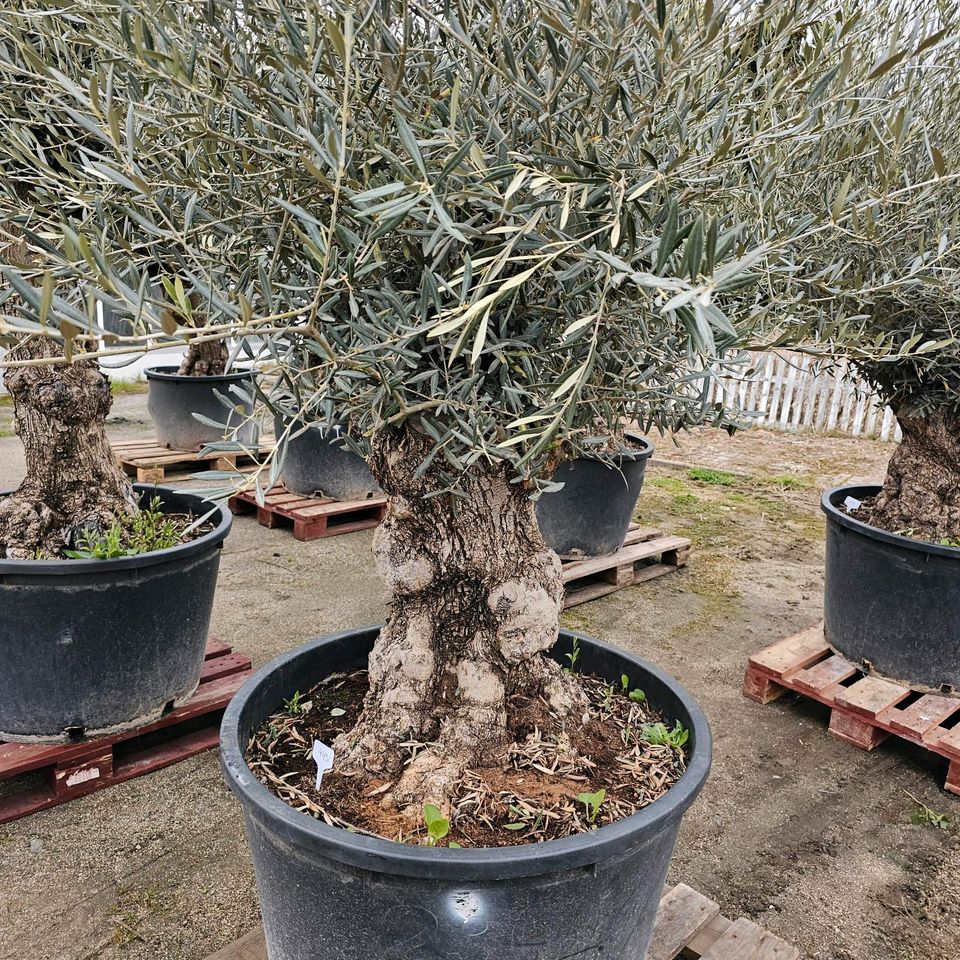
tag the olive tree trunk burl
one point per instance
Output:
(73, 481)
(921, 492)
(476, 602)
(206, 358)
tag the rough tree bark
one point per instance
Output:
(206, 359)
(921, 492)
(476, 600)
(73, 481)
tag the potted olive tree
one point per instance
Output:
(886, 290)
(106, 589)
(502, 233)
(893, 549)
(199, 401)
(50, 168)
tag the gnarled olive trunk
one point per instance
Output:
(921, 493)
(476, 601)
(73, 481)
(204, 359)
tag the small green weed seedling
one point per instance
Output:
(100, 546)
(524, 819)
(519, 823)
(294, 706)
(593, 802)
(636, 694)
(438, 826)
(573, 656)
(147, 532)
(151, 530)
(657, 733)
(925, 816)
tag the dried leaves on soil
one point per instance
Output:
(532, 795)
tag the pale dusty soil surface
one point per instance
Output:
(803, 833)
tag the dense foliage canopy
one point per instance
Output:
(517, 222)
(885, 285)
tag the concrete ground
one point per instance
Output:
(804, 834)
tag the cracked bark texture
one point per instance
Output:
(921, 492)
(476, 601)
(204, 359)
(73, 481)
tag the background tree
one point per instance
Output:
(885, 286)
(488, 233)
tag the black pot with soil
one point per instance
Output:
(316, 463)
(337, 895)
(173, 399)
(91, 647)
(891, 603)
(590, 515)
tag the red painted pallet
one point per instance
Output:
(688, 925)
(72, 770)
(645, 555)
(149, 462)
(865, 709)
(312, 517)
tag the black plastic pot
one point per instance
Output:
(891, 603)
(173, 400)
(590, 516)
(327, 894)
(316, 462)
(92, 647)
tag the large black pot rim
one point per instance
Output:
(645, 451)
(170, 373)
(501, 863)
(831, 503)
(55, 568)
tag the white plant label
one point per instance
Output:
(852, 503)
(323, 756)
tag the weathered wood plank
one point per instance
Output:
(792, 653)
(251, 947)
(741, 940)
(928, 712)
(823, 675)
(577, 569)
(682, 913)
(870, 696)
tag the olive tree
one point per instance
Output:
(487, 235)
(885, 286)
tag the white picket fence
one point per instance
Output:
(793, 391)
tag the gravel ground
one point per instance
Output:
(803, 833)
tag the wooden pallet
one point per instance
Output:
(688, 924)
(636, 561)
(312, 517)
(149, 462)
(865, 710)
(71, 770)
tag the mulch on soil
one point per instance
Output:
(532, 796)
